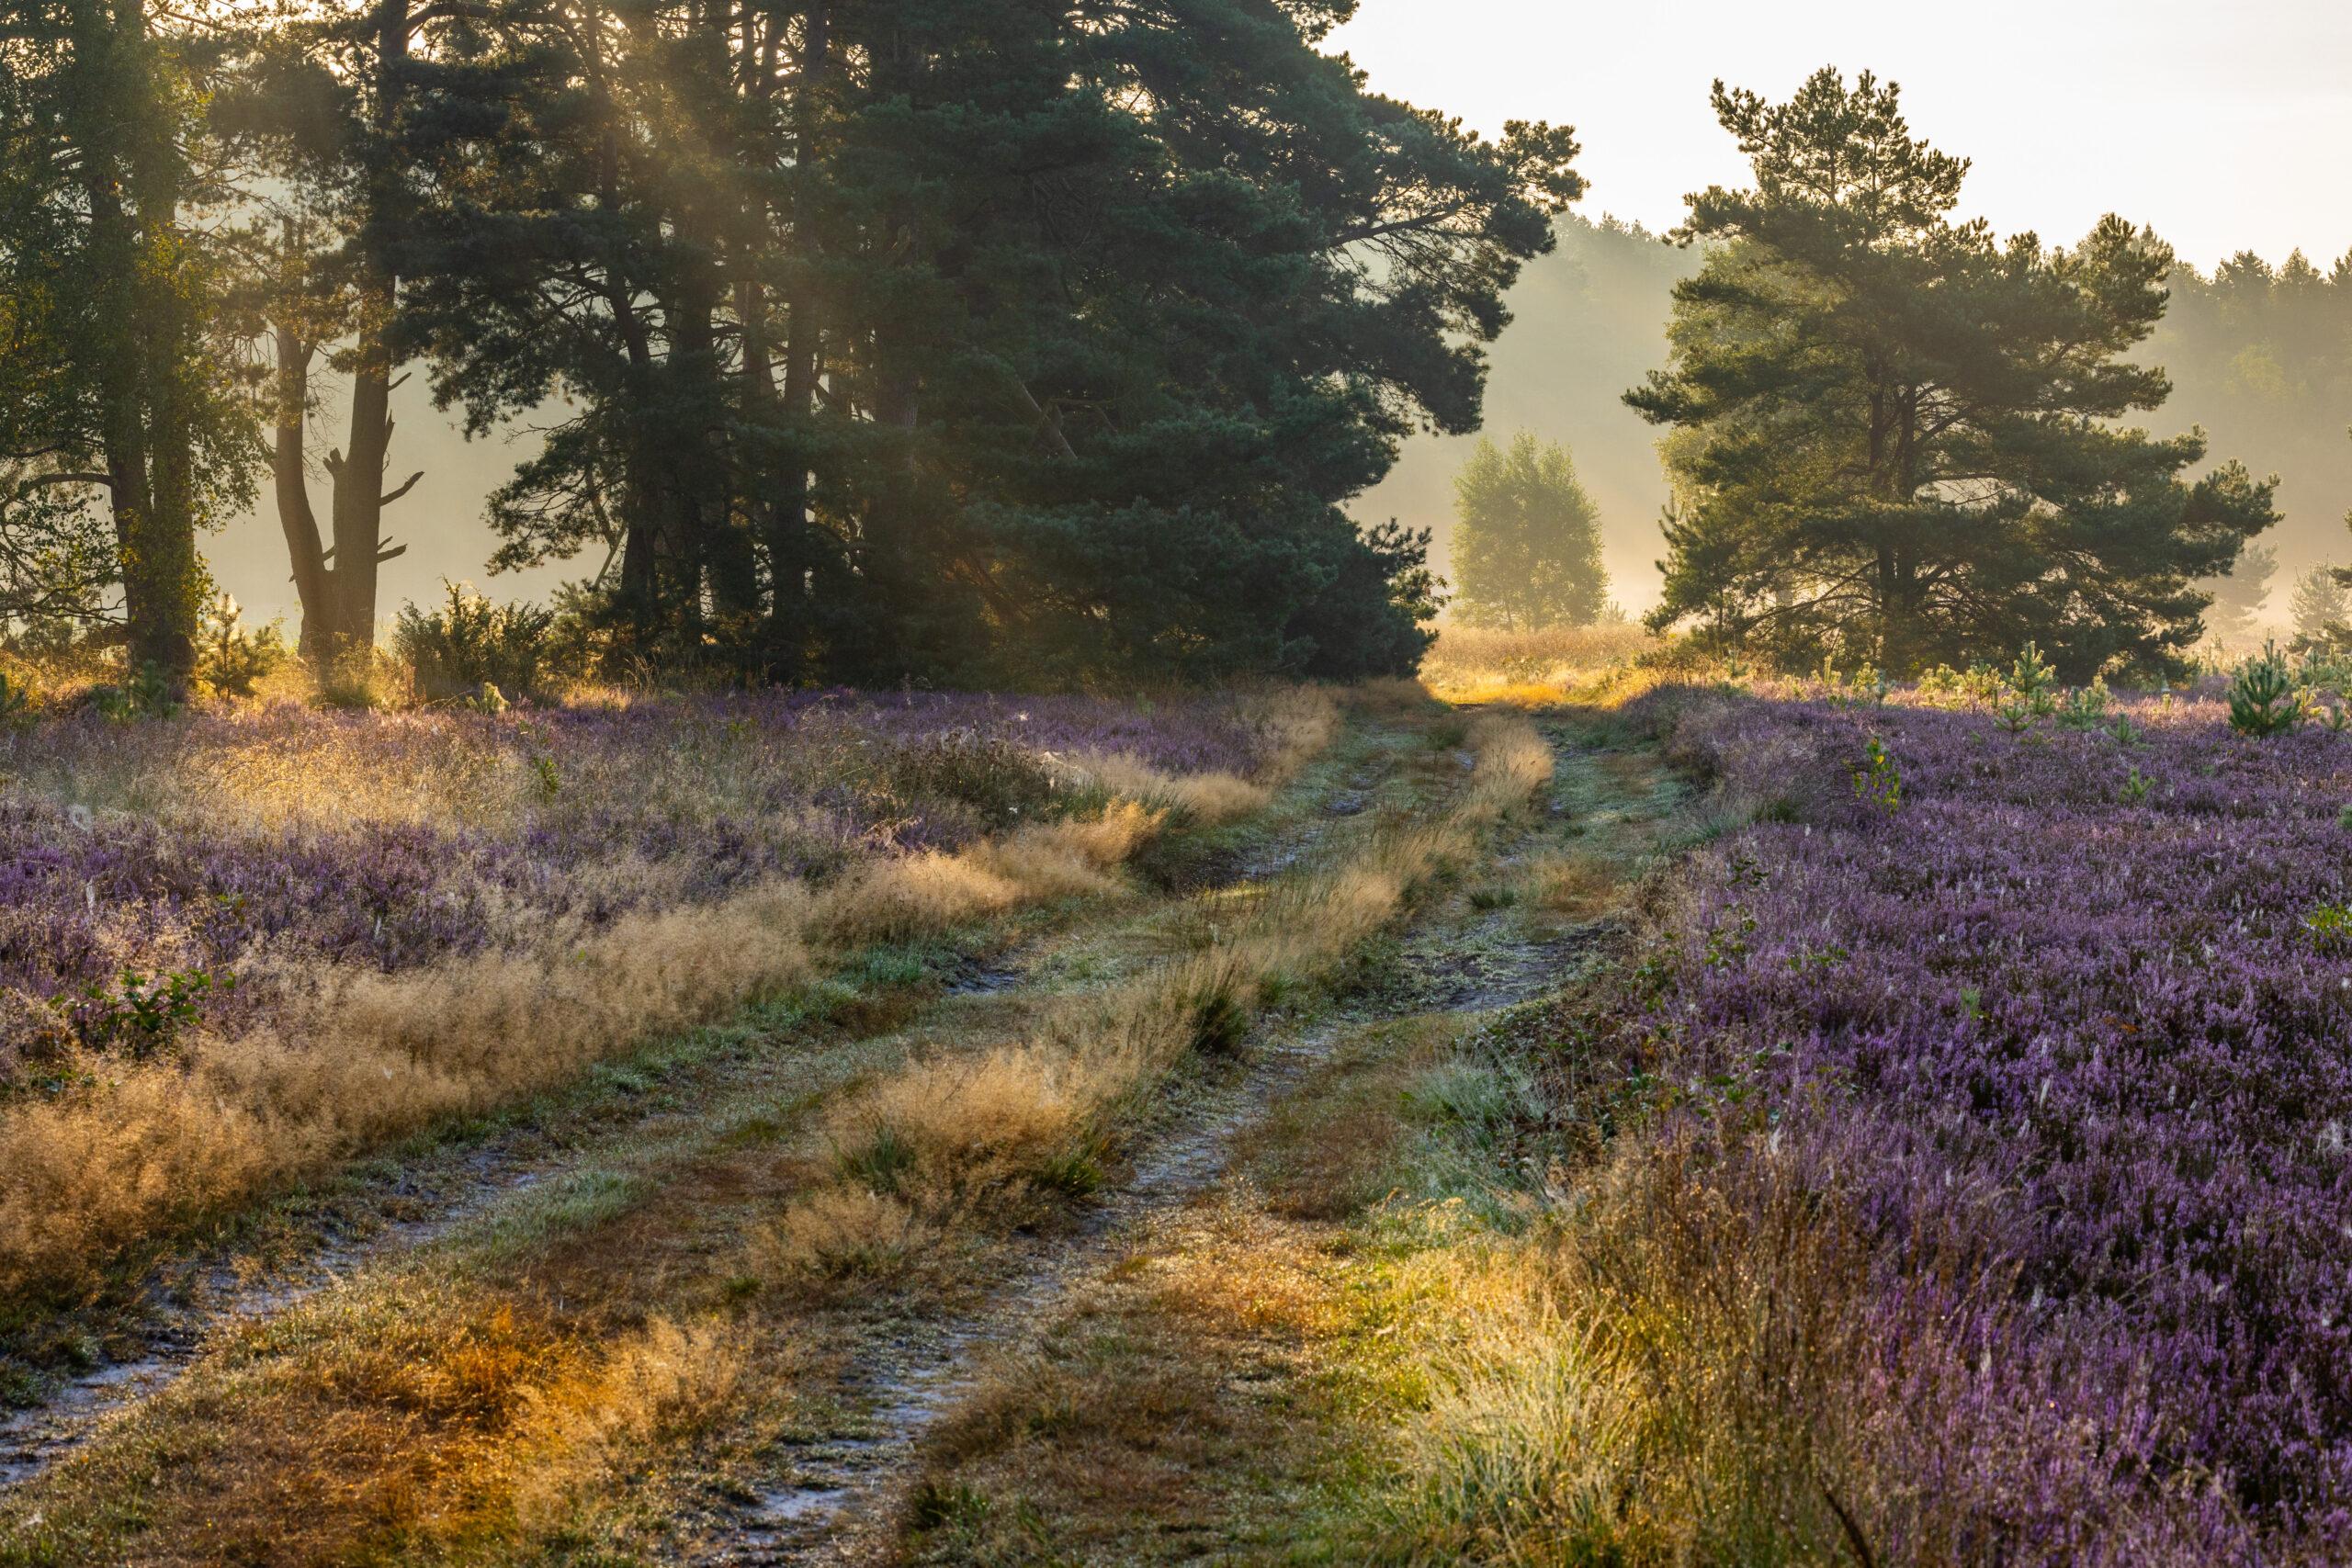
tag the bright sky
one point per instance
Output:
(2224, 123)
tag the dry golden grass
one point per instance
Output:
(890, 900)
(948, 1135)
(1299, 722)
(843, 1229)
(1692, 1367)
(1163, 1419)
(1477, 664)
(1578, 886)
(422, 1419)
(357, 1058)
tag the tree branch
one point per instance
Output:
(39, 480)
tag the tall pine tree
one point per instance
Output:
(119, 392)
(1896, 437)
(930, 339)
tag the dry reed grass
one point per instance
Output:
(358, 1058)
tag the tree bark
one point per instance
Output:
(130, 182)
(790, 560)
(304, 549)
(359, 497)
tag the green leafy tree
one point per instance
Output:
(1526, 540)
(1895, 437)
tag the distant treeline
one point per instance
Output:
(2261, 357)
(900, 340)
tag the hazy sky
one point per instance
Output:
(2225, 123)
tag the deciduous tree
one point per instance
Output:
(1526, 540)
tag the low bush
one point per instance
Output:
(470, 644)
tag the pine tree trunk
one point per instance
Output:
(299, 524)
(359, 478)
(790, 560)
(359, 485)
(130, 184)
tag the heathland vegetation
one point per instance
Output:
(1854, 1069)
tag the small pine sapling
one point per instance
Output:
(2263, 698)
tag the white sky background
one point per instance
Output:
(2226, 124)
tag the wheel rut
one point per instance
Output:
(840, 1502)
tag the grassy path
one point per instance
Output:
(1238, 1378)
(136, 1337)
(496, 1210)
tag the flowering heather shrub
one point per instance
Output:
(2059, 1058)
(219, 840)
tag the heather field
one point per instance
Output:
(1102, 885)
(246, 836)
(1727, 1122)
(2050, 1032)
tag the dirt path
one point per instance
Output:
(1228, 1384)
(225, 1297)
(843, 1500)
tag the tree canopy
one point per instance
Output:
(1526, 538)
(924, 339)
(1895, 436)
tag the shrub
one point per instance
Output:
(232, 659)
(144, 1018)
(2085, 709)
(1877, 780)
(2264, 700)
(1978, 686)
(1001, 780)
(470, 643)
(16, 702)
(2032, 692)
(145, 693)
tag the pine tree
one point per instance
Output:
(1526, 540)
(2238, 594)
(1088, 326)
(2321, 607)
(323, 109)
(1896, 437)
(113, 289)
